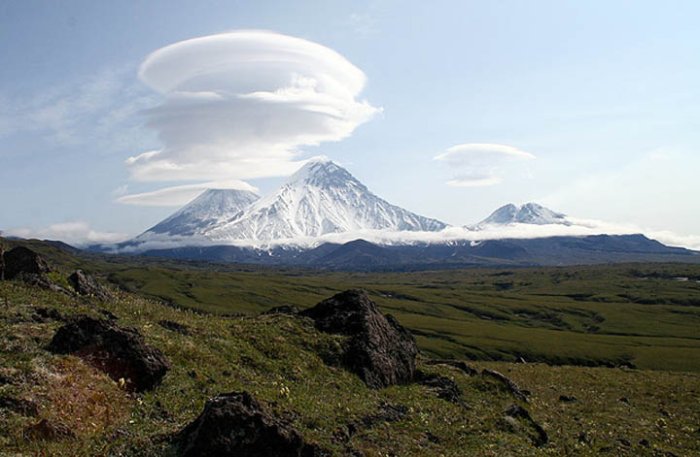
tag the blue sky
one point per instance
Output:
(602, 97)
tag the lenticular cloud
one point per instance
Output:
(241, 104)
(479, 164)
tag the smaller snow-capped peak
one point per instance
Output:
(529, 213)
(209, 208)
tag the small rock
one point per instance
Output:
(583, 438)
(284, 309)
(109, 315)
(460, 365)
(387, 413)
(19, 406)
(511, 386)
(509, 424)
(47, 314)
(121, 352)
(47, 431)
(237, 424)
(39, 280)
(380, 351)
(445, 388)
(342, 434)
(432, 438)
(176, 327)
(84, 284)
(539, 436)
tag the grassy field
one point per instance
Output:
(642, 315)
(646, 316)
(606, 410)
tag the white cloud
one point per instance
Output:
(99, 110)
(577, 228)
(76, 233)
(656, 190)
(476, 180)
(180, 195)
(480, 164)
(241, 105)
(673, 239)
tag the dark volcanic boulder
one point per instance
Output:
(119, 351)
(24, 260)
(236, 424)
(84, 284)
(379, 350)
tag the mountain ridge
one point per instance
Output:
(208, 208)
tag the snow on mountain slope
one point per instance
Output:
(529, 213)
(321, 198)
(210, 208)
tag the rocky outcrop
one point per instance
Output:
(458, 364)
(518, 415)
(173, 326)
(237, 424)
(443, 387)
(121, 352)
(507, 384)
(23, 260)
(84, 284)
(379, 350)
(44, 314)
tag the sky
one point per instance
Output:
(114, 113)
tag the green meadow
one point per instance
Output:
(646, 316)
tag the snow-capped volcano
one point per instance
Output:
(321, 198)
(529, 213)
(210, 208)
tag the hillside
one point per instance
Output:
(644, 314)
(282, 360)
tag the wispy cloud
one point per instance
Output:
(363, 24)
(100, 111)
(480, 164)
(655, 189)
(180, 195)
(75, 232)
(241, 105)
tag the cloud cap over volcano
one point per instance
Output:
(240, 105)
(480, 164)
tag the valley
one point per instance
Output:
(588, 359)
(637, 314)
